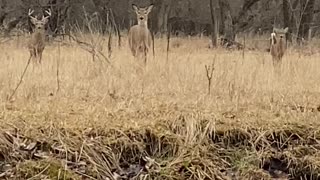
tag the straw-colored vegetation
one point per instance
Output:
(159, 122)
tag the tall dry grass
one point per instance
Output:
(246, 94)
(238, 81)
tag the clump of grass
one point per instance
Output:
(44, 169)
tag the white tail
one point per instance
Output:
(37, 41)
(278, 45)
(139, 36)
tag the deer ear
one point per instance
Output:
(286, 30)
(149, 9)
(135, 7)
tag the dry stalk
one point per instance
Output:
(209, 73)
(110, 44)
(58, 66)
(153, 51)
(168, 43)
(21, 78)
(244, 46)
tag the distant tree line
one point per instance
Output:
(179, 17)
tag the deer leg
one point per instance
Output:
(32, 58)
(36, 55)
(40, 58)
(277, 65)
(40, 50)
(145, 56)
(134, 52)
(275, 61)
(145, 51)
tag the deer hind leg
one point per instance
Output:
(133, 51)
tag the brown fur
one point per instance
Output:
(278, 45)
(139, 35)
(37, 42)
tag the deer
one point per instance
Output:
(139, 35)
(37, 42)
(278, 45)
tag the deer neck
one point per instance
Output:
(38, 35)
(282, 44)
(143, 24)
(39, 31)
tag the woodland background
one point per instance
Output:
(180, 17)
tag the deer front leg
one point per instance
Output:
(40, 58)
(145, 51)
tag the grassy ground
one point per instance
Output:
(105, 121)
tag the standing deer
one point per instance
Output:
(37, 42)
(278, 45)
(139, 36)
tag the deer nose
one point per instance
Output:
(141, 18)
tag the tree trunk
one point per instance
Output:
(222, 16)
(214, 25)
(287, 19)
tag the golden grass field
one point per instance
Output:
(255, 124)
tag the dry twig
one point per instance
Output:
(209, 73)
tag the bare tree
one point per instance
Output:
(287, 18)
(306, 19)
(187, 17)
(60, 14)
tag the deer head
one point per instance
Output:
(280, 32)
(142, 13)
(39, 24)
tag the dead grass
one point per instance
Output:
(105, 120)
